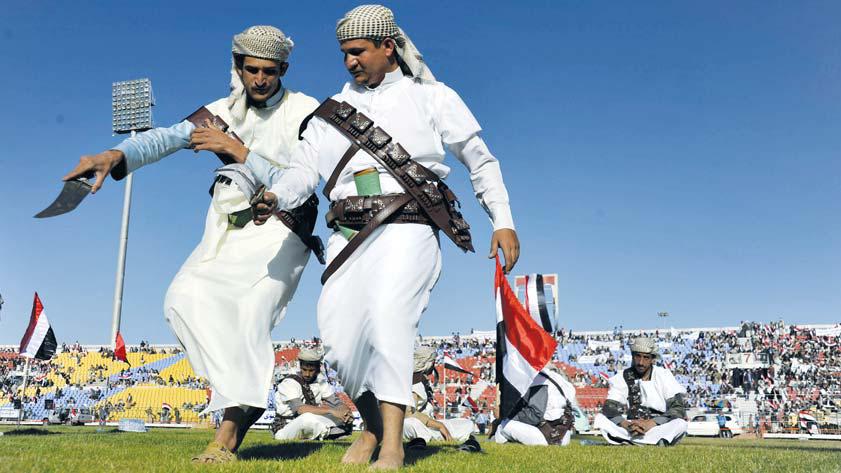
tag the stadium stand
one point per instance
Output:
(775, 377)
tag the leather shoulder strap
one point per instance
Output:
(418, 181)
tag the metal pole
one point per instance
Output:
(121, 260)
(446, 401)
(23, 392)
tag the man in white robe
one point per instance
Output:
(370, 307)
(420, 426)
(306, 406)
(645, 403)
(550, 400)
(235, 286)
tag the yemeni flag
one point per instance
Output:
(453, 365)
(523, 347)
(166, 406)
(39, 340)
(536, 301)
(120, 348)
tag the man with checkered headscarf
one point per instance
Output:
(645, 403)
(236, 284)
(374, 293)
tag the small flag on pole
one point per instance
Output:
(39, 340)
(523, 346)
(453, 365)
(120, 348)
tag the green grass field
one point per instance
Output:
(83, 449)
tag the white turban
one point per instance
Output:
(310, 355)
(646, 346)
(376, 22)
(263, 42)
(424, 359)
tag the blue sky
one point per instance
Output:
(660, 156)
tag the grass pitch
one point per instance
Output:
(84, 449)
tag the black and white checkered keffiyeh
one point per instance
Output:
(261, 41)
(377, 22)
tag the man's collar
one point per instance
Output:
(273, 100)
(390, 78)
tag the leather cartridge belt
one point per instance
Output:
(357, 211)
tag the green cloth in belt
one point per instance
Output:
(240, 218)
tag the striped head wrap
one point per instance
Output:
(377, 23)
(263, 42)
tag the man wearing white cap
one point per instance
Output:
(545, 416)
(307, 407)
(379, 144)
(234, 287)
(420, 426)
(645, 403)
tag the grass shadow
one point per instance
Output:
(30, 431)
(281, 451)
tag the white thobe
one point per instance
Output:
(654, 392)
(511, 430)
(460, 429)
(307, 426)
(234, 287)
(369, 309)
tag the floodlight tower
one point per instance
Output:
(131, 106)
(663, 315)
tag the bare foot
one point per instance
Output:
(360, 451)
(389, 460)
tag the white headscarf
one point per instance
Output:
(424, 359)
(376, 22)
(264, 42)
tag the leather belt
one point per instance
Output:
(377, 219)
(357, 211)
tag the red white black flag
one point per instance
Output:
(39, 340)
(453, 365)
(523, 347)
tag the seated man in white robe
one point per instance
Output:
(419, 426)
(544, 415)
(307, 407)
(645, 402)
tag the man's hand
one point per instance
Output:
(644, 425)
(343, 413)
(265, 208)
(97, 164)
(211, 138)
(507, 240)
(442, 429)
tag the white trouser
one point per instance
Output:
(516, 431)
(460, 429)
(671, 432)
(307, 426)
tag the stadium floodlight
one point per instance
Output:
(131, 106)
(131, 111)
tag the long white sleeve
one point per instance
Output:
(293, 185)
(486, 177)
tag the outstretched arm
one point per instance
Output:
(291, 186)
(145, 148)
